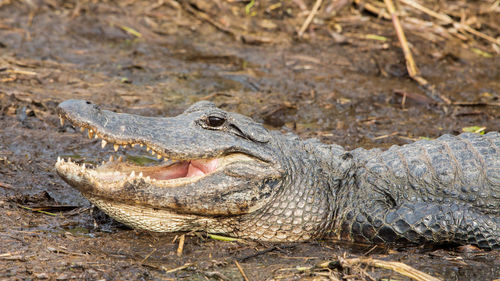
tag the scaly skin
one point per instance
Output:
(276, 187)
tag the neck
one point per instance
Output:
(304, 205)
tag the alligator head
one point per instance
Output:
(226, 174)
(220, 166)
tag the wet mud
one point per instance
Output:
(155, 58)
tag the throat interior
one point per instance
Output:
(184, 169)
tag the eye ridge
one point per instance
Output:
(215, 121)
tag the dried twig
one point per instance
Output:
(372, 9)
(241, 270)
(177, 268)
(386, 136)
(148, 255)
(6, 185)
(274, 248)
(309, 18)
(181, 245)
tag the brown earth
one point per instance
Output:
(343, 81)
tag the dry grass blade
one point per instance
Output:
(398, 267)
(237, 34)
(38, 211)
(447, 20)
(410, 63)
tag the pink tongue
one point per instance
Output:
(174, 172)
(194, 171)
(201, 167)
(186, 169)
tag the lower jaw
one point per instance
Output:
(155, 220)
(162, 220)
(159, 220)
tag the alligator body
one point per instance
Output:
(228, 174)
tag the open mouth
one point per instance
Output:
(170, 172)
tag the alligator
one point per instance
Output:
(224, 173)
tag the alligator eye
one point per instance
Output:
(215, 121)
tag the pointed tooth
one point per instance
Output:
(61, 120)
(103, 143)
(120, 158)
(91, 133)
(152, 152)
(96, 136)
(58, 159)
(103, 163)
(111, 158)
(148, 178)
(83, 166)
(147, 148)
(141, 145)
(115, 146)
(158, 156)
(124, 146)
(132, 145)
(132, 175)
(69, 160)
(140, 174)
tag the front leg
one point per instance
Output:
(422, 222)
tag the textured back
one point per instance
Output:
(449, 169)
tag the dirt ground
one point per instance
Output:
(343, 80)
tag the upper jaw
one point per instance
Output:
(177, 138)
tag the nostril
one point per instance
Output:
(88, 102)
(347, 156)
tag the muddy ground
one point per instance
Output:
(156, 58)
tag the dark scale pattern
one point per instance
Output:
(426, 222)
(442, 191)
(302, 207)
